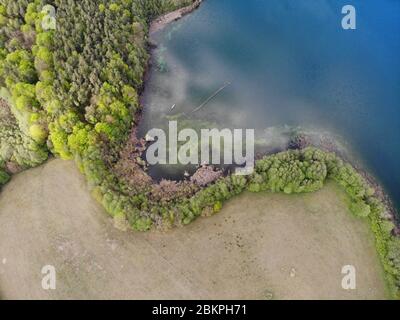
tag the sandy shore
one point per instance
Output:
(260, 246)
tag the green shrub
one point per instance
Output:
(4, 177)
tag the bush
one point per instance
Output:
(4, 177)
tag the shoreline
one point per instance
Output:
(332, 144)
(381, 193)
(165, 19)
(157, 25)
(116, 175)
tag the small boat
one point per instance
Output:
(173, 106)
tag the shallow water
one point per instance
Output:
(289, 63)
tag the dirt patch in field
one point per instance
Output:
(261, 246)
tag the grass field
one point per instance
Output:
(260, 246)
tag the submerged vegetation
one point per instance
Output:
(73, 92)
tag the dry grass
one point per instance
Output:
(259, 246)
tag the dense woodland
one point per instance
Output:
(72, 91)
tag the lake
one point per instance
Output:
(289, 64)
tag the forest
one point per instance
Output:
(72, 90)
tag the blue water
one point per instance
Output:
(290, 63)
